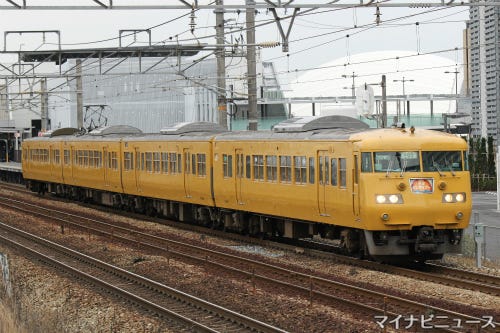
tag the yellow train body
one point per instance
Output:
(382, 192)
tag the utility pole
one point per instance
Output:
(44, 105)
(384, 102)
(404, 94)
(221, 65)
(456, 87)
(79, 95)
(251, 66)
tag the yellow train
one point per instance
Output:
(391, 194)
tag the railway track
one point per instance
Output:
(430, 272)
(317, 289)
(189, 312)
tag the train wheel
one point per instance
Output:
(350, 241)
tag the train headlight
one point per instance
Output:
(459, 215)
(389, 198)
(385, 217)
(393, 199)
(453, 197)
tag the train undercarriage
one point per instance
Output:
(400, 246)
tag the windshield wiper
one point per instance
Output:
(403, 169)
(389, 167)
(449, 165)
(437, 168)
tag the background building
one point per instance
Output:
(484, 30)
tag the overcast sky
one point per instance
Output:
(316, 38)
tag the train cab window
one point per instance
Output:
(258, 167)
(311, 170)
(248, 162)
(285, 169)
(400, 161)
(202, 164)
(442, 161)
(164, 162)
(300, 169)
(334, 172)
(128, 159)
(227, 165)
(366, 162)
(271, 168)
(343, 172)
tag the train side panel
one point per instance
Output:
(286, 179)
(173, 170)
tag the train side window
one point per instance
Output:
(149, 162)
(99, 159)
(300, 167)
(311, 170)
(258, 167)
(248, 166)
(356, 169)
(127, 161)
(202, 165)
(366, 162)
(173, 163)
(334, 171)
(227, 165)
(86, 158)
(156, 162)
(57, 156)
(239, 165)
(66, 158)
(343, 172)
(320, 169)
(114, 160)
(187, 160)
(285, 169)
(179, 163)
(271, 168)
(193, 164)
(164, 162)
(91, 159)
(143, 165)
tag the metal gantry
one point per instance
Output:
(235, 4)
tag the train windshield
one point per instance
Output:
(404, 161)
(441, 161)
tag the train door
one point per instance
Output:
(187, 172)
(137, 169)
(355, 185)
(106, 165)
(73, 161)
(52, 161)
(239, 175)
(323, 162)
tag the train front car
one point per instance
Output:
(415, 193)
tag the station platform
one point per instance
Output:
(11, 171)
